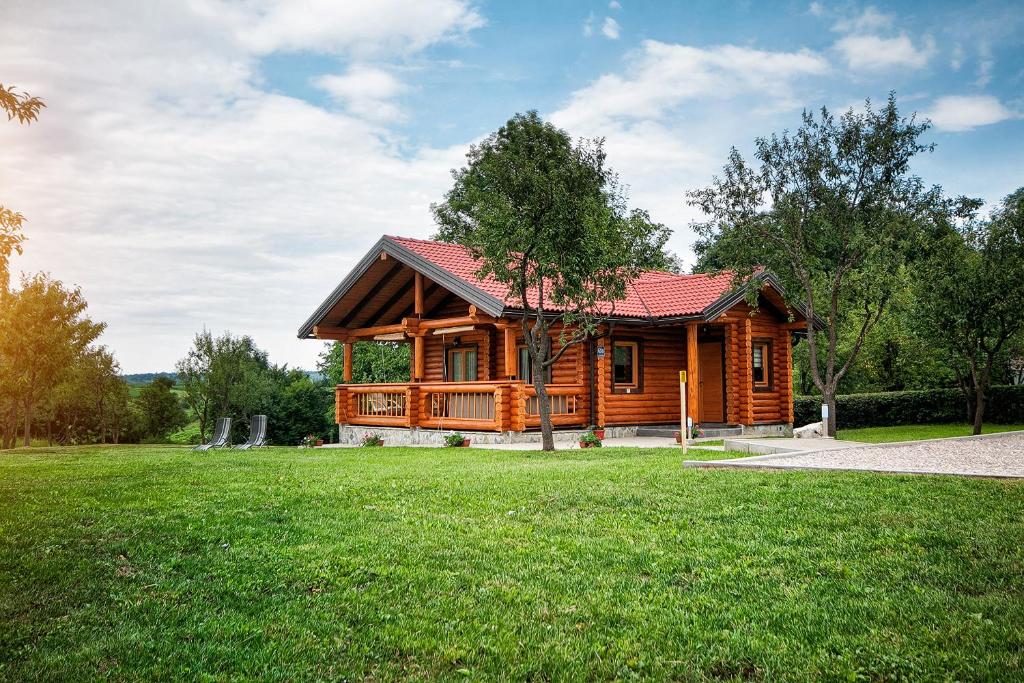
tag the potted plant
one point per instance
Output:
(590, 440)
(598, 431)
(456, 440)
(373, 439)
(308, 441)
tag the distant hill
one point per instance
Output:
(147, 377)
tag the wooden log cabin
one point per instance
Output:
(470, 371)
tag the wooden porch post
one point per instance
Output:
(418, 363)
(417, 308)
(746, 376)
(511, 355)
(347, 360)
(692, 373)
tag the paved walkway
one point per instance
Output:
(990, 455)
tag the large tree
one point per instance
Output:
(548, 219)
(972, 302)
(835, 213)
(25, 108)
(45, 332)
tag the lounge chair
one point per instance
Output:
(257, 433)
(221, 432)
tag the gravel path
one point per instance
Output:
(987, 456)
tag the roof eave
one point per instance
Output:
(482, 300)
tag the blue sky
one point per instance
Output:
(223, 164)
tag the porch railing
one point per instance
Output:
(477, 406)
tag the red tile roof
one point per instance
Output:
(653, 294)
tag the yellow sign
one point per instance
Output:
(682, 376)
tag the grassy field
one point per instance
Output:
(918, 432)
(354, 564)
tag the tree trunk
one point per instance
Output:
(980, 392)
(829, 398)
(547, 436)
(28, 425)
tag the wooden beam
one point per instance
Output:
(347, 361)
(800, 326)
(417, 301)
(329, 333)
(385, 280)
(692, 373)
(376, 317)
(455, 322)
(374, 331)
(427, 293)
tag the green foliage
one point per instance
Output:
(372, 439)
(547, 218)
(142, 563)
(25, 108)
(300, 411)
(159, 408)
(591, 439)
(972, 303)
(454, 440)
(911, 407)
(372, 362)
(833, 211)
(45, 332)
(187, 435)
(230, 376)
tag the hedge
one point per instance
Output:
(1005, 406)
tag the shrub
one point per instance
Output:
(373, 439)
(454, 440)
(590, 438)
(1005, 405)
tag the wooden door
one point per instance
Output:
(712, 382)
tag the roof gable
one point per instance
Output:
(650, 297)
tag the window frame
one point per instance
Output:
(768, 358)
(461, 349)
(637, 386)
(527, 377)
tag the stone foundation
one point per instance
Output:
(781, 429)
(415, 436)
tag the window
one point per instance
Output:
(525, 369)
(462, 364)
(625, 365)
(761, 364)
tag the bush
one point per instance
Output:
(188, 435)
(1005, 406)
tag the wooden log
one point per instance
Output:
(347, 361)
(417, 306)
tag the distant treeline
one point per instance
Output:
(147, 377)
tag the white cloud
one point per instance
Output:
(661, 76)
(610, 28)
(670, 115)
(964, 112)
(614, 4)
(365, 90)
(179, 192)
(873, 53)
(816, 9)
(353, 27)
(868, 20)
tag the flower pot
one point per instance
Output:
(679, 438)
(585, 444)
(465, 443)
(319, 442)
(599, 433)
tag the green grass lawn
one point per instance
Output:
(382, 564)
(917, 432)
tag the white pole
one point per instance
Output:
(683, 431)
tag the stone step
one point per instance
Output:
(668, 431)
